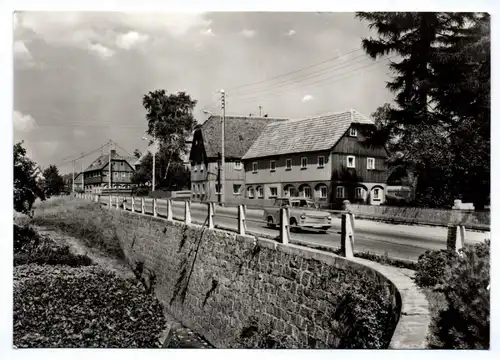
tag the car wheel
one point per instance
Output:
(293, 224)
(270, 222)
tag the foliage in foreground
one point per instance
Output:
(31, 248)
(85, 307)
(26, 186)
(462, 283)
(87, 221)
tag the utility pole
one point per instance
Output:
(73, 182)
(83, 176)
(154, 157)
(260, 111)
(222, 162)
(109, 165)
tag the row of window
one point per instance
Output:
(351, 163)
(321, 191)
(200, 166)
(122, 175)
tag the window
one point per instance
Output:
(288, 164)
(359, 193)
(203, 188)
(218, 188)
(273, 192)
(254, 167)
(272, 165)
(201, 167)
(340, 192)
(250, 193)
(260, 192)
(307, 192)
(237, 165)
(376, 194)
(303, 163)
(323, 192)
(236, 189)
(193, 188)
(195, 167)
(321, 161)
(351, 161)
(353, 132)
(370, 163)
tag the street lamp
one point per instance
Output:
(154, 160)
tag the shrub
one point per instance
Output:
(31, 248)
(85, 307)
(465, 323)
(87, 221)
(431, 267)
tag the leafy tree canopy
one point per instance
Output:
(26, 186)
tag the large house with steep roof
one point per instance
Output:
(205, 156)
(96, 176)
(323, 158)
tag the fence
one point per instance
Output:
(164, 208)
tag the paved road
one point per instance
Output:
(399, 241)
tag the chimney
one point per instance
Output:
(113, 152)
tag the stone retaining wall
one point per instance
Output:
(215, 282)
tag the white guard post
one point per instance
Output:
(170, 215)
(241, 220)
(155, 210)
(187, 212)
(347, 236)
(211, 214)
(133, 204)
(143, 210)
(284, 226)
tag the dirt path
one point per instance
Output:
(182, 336)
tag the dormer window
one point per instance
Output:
(353, 132)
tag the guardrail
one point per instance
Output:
(164, 208)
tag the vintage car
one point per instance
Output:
(303, 214)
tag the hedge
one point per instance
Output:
(85, 307)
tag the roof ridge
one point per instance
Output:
(320, 115)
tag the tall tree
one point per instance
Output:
(53, 183)
(170, 120)
(432, 96)
(26, 186)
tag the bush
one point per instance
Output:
(87, 221)
(431, 267)
(31, 248)
(465, 324)
(85, 307)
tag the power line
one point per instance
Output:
(83, 155)
(299, 87)
(307, 76)
(295, 71)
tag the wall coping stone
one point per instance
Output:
(414, 319)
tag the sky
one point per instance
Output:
(79, 77)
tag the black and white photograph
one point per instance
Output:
(251, 180)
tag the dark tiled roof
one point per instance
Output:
(304, 135)
(103, 160)
(240, 133)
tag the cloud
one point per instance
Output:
(79, 132)
(291, 32)
(22, 55)
(22, 122)
(248, 33)
(130, 39)
(101, 50)
(207, 32)
(48, 147)
(307, 98)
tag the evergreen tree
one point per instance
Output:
(53, 183)
(441, 88)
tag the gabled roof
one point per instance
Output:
(240, 133)
(102, 161)
(304, 135)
